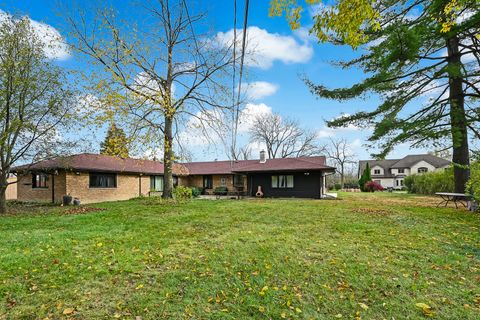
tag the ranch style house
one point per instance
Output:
(97, 178)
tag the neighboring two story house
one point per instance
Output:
(390, 173)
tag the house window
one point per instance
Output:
(39, 181)
(238, 180)
(401, 170)
(399, 183)
(376, 171)
(208, 182)
(282, 181)
(175, 181)
(422, 170)
(156, 183)
(103, 180)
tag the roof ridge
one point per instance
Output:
(111, 156)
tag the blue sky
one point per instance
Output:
(280, 70)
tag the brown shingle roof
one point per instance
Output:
(215, 167)
(286, 164)
(97, 162)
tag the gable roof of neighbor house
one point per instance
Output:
(104, 163)
(413, 159)
(405, 162)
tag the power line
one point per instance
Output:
(234, 84)
(242, 59)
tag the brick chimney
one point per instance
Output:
(263, 156)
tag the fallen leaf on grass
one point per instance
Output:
(363, 306)
(426, 309)
(82, 210)
(372, 211)
(68, 311)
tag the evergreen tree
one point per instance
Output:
(115, 143)
(422, 49)
(365, 177)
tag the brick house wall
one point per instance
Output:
(25, 192)
(11, 193)
(128, 186)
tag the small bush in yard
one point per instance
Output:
(431, 182)
(338, 186)
(221, 191)
(196, 191)
(182, 193)
(372, 186)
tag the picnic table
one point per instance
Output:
(453, 197)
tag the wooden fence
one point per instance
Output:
(12, 190)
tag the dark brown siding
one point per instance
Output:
(305, 186)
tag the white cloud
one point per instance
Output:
(304, 34)
(149, 86)
(88, 104)
(259, 89)
(55, 45)
(202, 129)
(250, 113)
(264, 48)
(327, 132)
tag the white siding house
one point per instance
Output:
(390, 173)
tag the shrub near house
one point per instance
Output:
(431, 182)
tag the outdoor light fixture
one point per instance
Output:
(307, 173)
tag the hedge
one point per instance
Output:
(431, 182)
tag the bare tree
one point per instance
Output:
(340, 154)
(33, 99)
(283, 138)
(154, 73)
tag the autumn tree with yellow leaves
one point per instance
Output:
(153, 74)
(115, 143)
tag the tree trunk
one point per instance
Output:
(342, 177)
(168, 159)
(461, 157)
(3, 198)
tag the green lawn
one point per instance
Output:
(368, 256)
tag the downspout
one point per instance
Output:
(140, 185)
(53, 187)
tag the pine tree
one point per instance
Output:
(115, 143)
(423, 61)
(365, 177)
